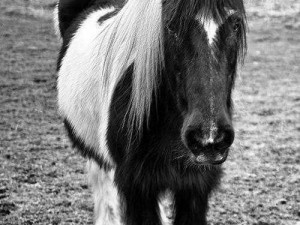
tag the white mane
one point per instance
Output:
(135, 36)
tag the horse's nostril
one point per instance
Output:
(194, 141)
(224, 138)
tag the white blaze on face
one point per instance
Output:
(210, 27)
(212, 132)
(213, 127)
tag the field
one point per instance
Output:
(42, 179)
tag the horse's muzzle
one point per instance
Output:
(211, 158)
(208, 148)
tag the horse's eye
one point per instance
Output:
(236, 26)
(237, 23)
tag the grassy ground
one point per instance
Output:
(42, 179)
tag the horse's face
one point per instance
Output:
(206, 59)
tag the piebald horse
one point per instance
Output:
(144, 87)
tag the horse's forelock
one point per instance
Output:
(181, 12)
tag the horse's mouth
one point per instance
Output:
(211, 158)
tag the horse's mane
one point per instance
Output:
(136, 37)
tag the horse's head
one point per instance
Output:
(196, 46)
(202, 51)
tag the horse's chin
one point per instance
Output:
(210, 158)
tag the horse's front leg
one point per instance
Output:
(139, 199)
(141, 211)
(191, 208)
(106, 197)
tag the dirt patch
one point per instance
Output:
(42, 180)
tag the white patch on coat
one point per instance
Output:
(81, 98)
(210, 27)
(106, 197)
(96, 60)
(167, 209)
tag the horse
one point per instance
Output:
(144, 90)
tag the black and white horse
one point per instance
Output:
(144, 87)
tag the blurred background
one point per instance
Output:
(42, 179)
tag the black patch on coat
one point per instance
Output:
(153, 164)
(85, 150)
(69, 10)
(117, 136)
(108, 16)
(151, 169)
